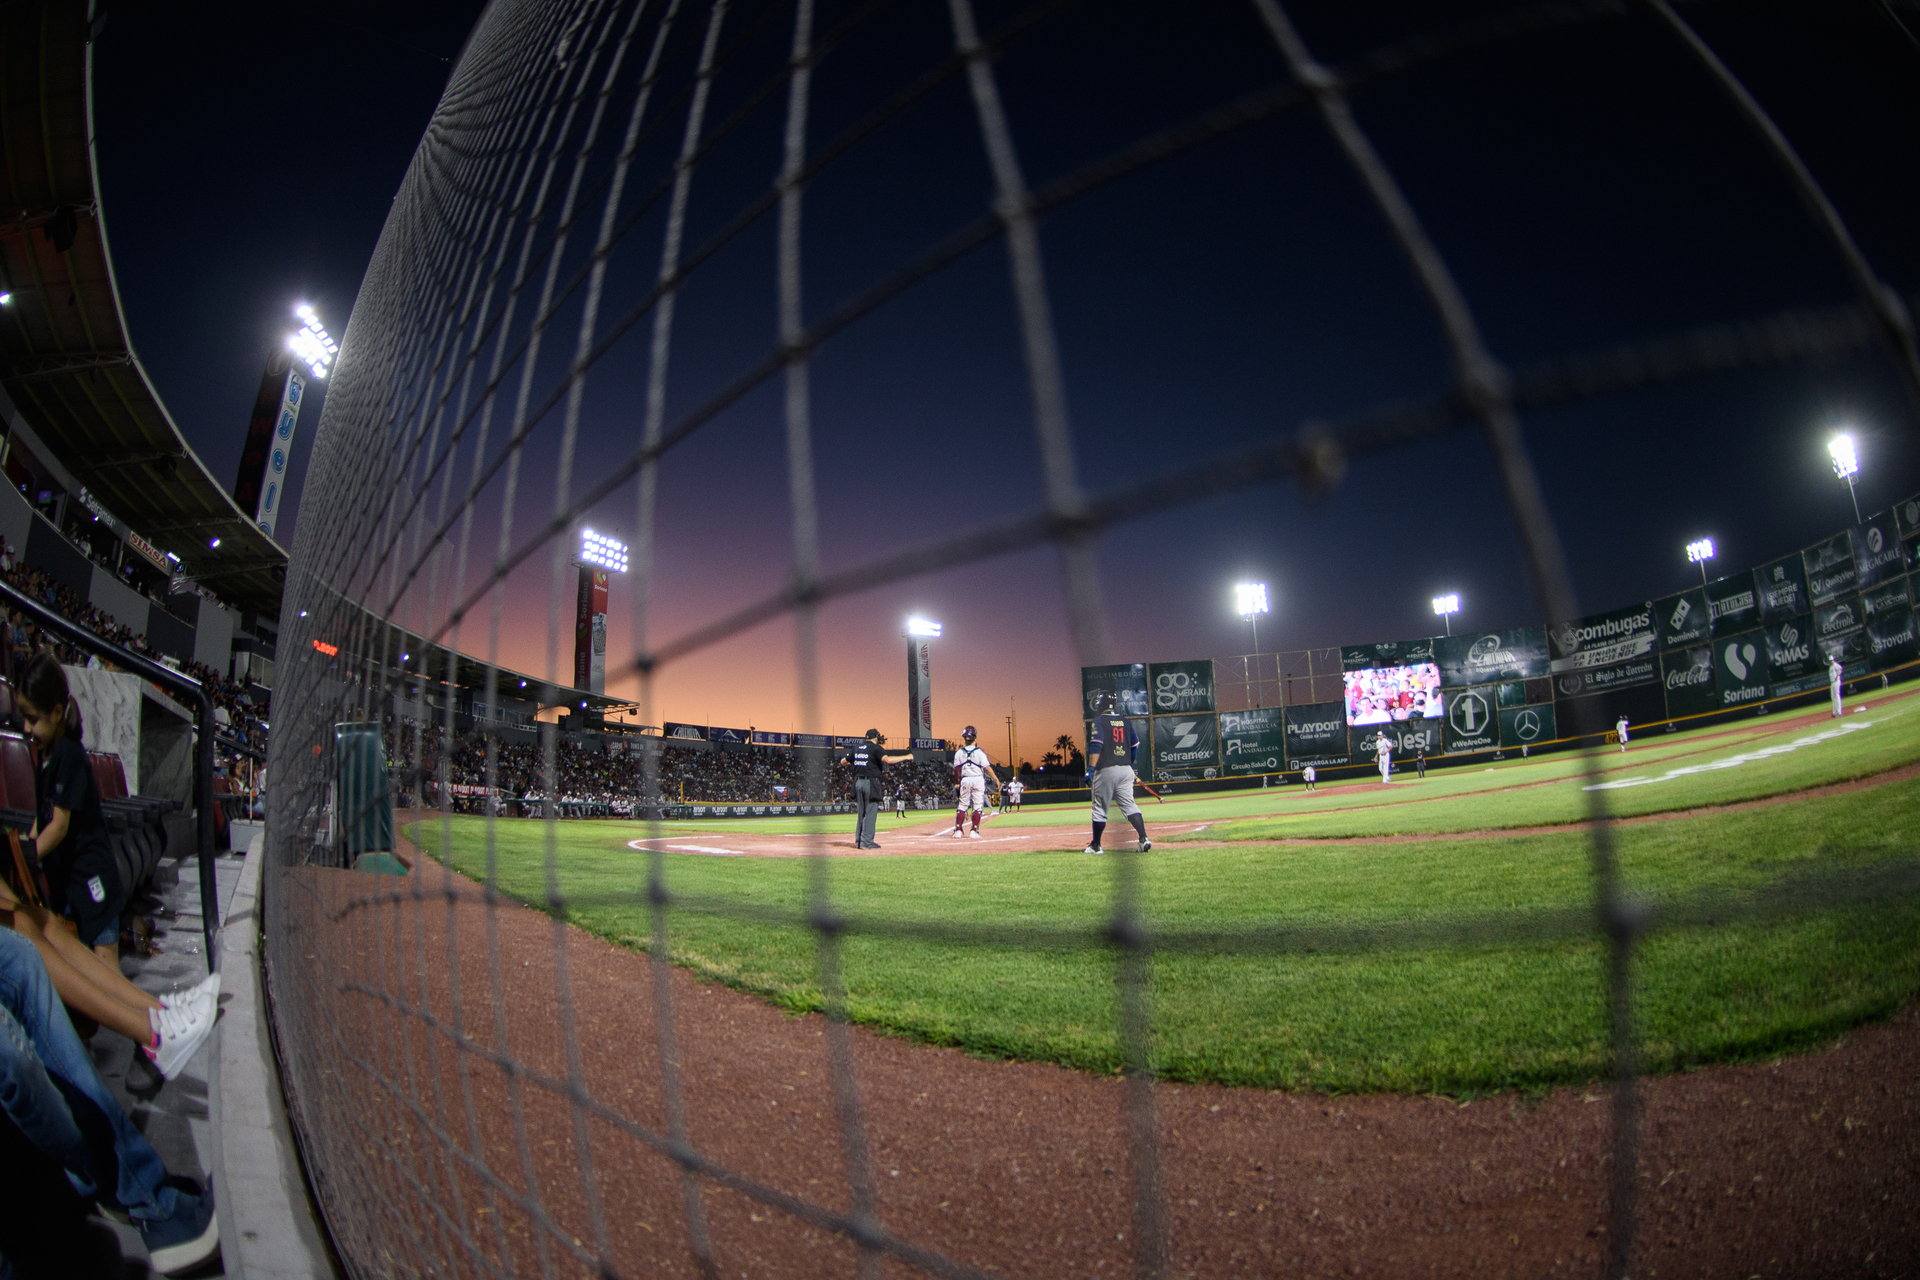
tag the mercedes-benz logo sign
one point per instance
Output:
(1526, 725)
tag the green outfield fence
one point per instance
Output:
(600, 181)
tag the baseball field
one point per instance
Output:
(1433, 935)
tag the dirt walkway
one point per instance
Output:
(1808, 1166)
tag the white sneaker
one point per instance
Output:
(973, 835)
(1093, 848)
(206, 991)
(181, 1033)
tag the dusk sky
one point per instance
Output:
(1589, 186)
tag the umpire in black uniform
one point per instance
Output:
(869, 763)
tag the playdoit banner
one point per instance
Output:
(1316, 734)
(1185, 747)
(1181, 688)
(1489, 656)
(1253, 742)
(1126, 681)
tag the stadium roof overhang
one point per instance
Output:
(65, 357)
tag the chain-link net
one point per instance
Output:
(545, 284)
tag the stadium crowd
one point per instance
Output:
(590, 774)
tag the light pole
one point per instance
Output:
(1251, 598)
(1846, 465)
(597, 557)
(1446, 606)
(921, 633)
(1700, 552)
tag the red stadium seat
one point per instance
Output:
(16, 771)
(111, 775)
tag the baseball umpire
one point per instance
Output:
(868, 763)
(1111, 748)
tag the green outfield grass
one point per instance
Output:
(1456, 1019)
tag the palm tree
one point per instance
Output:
(1065, 743)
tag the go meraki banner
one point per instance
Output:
(1877, 553)
(1603, 639)
(1782, 586)
(1830, 569)
(1315, 734)
(1683, 619)
(1181, 688)
(1488, 656)
(1740, 668)
(1688, 676)
(1735, 603)
(1388, 653)
(1794, 661)
(1255, 741)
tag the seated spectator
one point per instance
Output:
(51, 1091)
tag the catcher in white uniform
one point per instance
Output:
(971, 770)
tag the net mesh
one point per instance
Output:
(553, 235)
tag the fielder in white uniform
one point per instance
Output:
(1621, 729)
(971, 770)
(1306, 776)
(1834, 672)
(1015, 790)
(1385, 751)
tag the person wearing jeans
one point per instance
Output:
(51, 1091)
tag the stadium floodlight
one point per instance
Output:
(1700, 552)
(5, 298)
(1250, 598)
(602, 552)
(312, 343)
(1446, 606)
(1846, 465)
(924, 627)
(214, 545)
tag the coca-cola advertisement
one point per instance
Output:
(1688, 676)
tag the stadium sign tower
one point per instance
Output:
(262, 482)
(599, 557)
(921, 633)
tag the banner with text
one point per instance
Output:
(1684, 618)
(1795, 666)
(1387, 653)
(1472, 721)
(1885, 599)
(1181, 688)
(1740, 668)
(1185, 747)
(1830, 571)
(1734, 603)
(1253, 741)
(1489, 656)
(1127, 681)
(1526, 726)
(1877, 554)
(1688, 675)
(1604, 639)
(1890, 640)
(1783, 588)
(1316, 734)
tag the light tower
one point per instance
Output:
(1446, 606)
(1700, 552)
(598, 557)
(1250, 598)
(1846, 465)
(262, 483)
(921, 633)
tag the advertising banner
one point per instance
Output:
(1890, 640)
(1603, 639)
(1316, 734)
(919, 687)
(1783, 588)
(843, 742)
(1388, 653)
(1688, 675)
(1624, 675)
(1830, 571)
(1740, 668)
(1877, 553)
(1514, 694)
(1907, 516)
(811, 740)
(1526, 726)
(1376, 695)
(1181, 688)
(1840, 618)
(1913, 554)
(1490, 656)
(1472, 723)
(762, 738)
(1407, 740)
(1850, 648)
(1185, 747)
(1795, 664)
(1126, 681)
(1734, 603)
(742, 736)
(684, 732)
(927, 744)
(1253, 742)
(1683, 619)
(1884, 599)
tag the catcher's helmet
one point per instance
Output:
(968, 734)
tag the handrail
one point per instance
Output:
(174, 682)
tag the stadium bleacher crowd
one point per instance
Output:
(589, 774)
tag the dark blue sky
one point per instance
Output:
(1589, 186)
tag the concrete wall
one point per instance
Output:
(167, 634)
(50, 552)
(16, 516)
(118, 601)
(213, 636)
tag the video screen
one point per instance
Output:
(1378, 695)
